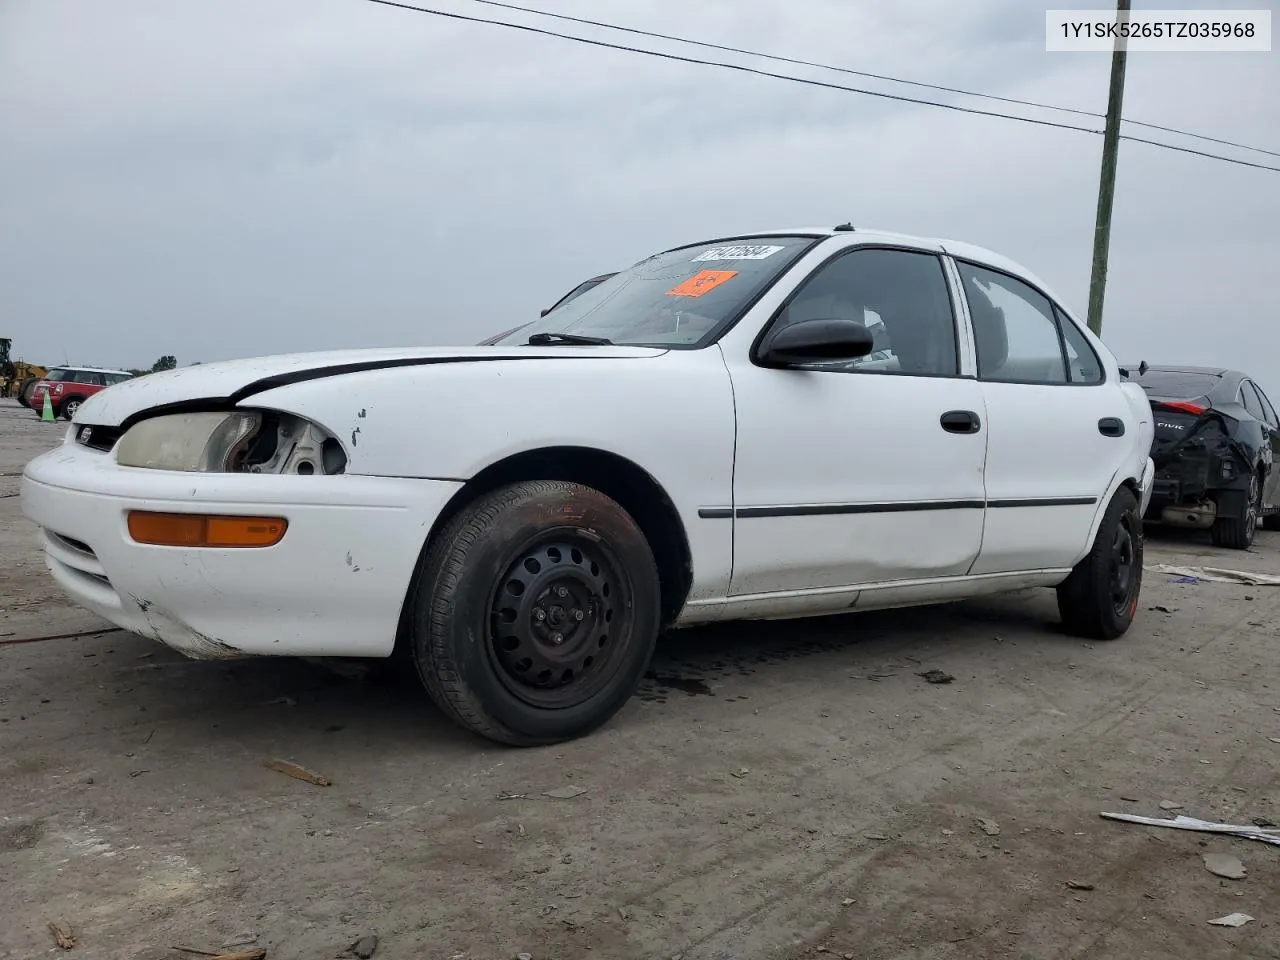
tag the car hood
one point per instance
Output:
(233, 381)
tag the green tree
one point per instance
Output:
(167, 362)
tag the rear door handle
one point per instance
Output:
(960, 421)
(1111, 427)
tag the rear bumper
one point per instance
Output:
(334, 586)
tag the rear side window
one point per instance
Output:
(1266, 405)
(1249, 397)
(1014, 328)
(1083, 365)
(113, 378)
(89, 377)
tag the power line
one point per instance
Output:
(807, 81)
(871, 76)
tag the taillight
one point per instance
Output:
(1184, 406)
(57, 389)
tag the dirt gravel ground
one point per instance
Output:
(777, 790)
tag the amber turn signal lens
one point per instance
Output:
(199, 530)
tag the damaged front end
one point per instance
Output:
(240, 441)
(1199, 464)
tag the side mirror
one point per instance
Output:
(817, 341)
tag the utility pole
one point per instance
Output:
(1107, 181)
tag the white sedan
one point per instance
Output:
(713, 434)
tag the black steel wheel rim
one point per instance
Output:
(1123, 568)
(557, 618)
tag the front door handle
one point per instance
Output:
(960, 421)
(1111, 427)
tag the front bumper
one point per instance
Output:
(334, 586)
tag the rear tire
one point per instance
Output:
(535, 613)
(1100, 597)
(68, 408)
(1236, 531)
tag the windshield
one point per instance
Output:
(678, 299)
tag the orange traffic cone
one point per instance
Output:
(47, 413)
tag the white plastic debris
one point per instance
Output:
(1232, 920)
(1250, 832)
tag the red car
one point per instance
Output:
(68, 387)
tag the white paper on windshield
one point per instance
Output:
(757, 251)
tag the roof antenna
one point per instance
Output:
(1143, 368)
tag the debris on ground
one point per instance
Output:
(989, 827)
(1263, 822)
(364, 948)
(1232, 920)
(62, 937)
(1170, 805)
(936, 676)
(256, 953)
(565, 793)
(298, 773)
(1205, 826)
(1219, 575)
(739, 773)
(1161, 609)
(1077, 885)
(848, 902)
(524, 956)
(282, 702)
(874, 836)
(511, 796)
(245, 939)
(1224, 865)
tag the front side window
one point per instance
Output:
(901, 296)
(1014, 328)
(678, 299)
(58, 375)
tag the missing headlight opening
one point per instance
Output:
(288, 444)
(244, 441)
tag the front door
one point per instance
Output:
(1058, 432)
(862, 471)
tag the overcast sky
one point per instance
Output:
(242, 177)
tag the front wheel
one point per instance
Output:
(1100, 597)
(68, 410)
(535, 613)
(1236, 530)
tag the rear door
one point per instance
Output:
(1257, 404)
(1057, 429)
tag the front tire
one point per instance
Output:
(1100, 597)
(535, 613)
(1236, 531)
(68, 409)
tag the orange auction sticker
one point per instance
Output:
(701, 282)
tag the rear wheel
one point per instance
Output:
(1236, 530)
(535, 613)
(68, 409)
(1100, 597)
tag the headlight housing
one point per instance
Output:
(243, 441)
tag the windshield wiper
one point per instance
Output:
(541, 339)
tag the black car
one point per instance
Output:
(573, 294)
(1217, 439)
